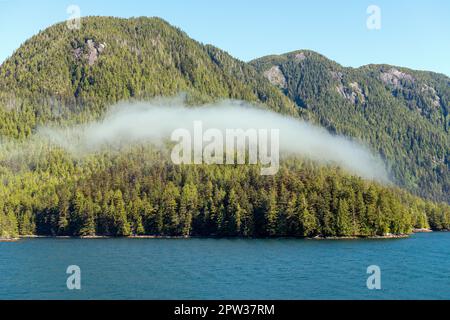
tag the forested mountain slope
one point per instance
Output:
(402, 114)
(63, 76)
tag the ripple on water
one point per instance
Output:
(415, 268)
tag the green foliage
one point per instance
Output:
(402, 114)
(8, 225)
(70, 76)
(139, 192)
(62, 76)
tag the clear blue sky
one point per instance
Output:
(414, 33)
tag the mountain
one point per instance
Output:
(62, 74)
(62, 77)
(401, 113)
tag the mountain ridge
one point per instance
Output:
(392, 109)
(370, 64)
(114, 59)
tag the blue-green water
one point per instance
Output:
(414, 268)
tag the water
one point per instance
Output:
(414, 268)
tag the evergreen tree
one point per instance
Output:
(343, 219)
(120, 216)
(309, 226)
(271, 212)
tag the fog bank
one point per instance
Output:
(153, 122)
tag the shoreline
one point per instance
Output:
(9, 239)
(423, 230)
(388, 236)
(103, 237)
(318, 237)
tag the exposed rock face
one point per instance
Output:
(91, 51)
(408, 84)
(358, 91)
(276, 76)
(395, 77)
(78, 53)
(346, 93)
(299, 57)
(336, 75)
(95, 50)
(431, 92)
(353, 93)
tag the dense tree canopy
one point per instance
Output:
(63, 75)
(139, 191)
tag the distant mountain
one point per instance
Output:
(401, 113)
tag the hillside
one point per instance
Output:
(61, 77)
(402, 114)
(62, 74)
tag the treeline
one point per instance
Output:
(140, 193)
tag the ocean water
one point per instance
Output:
(414, 268)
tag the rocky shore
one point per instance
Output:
(387, 236)
(319, 237)
(422, 230)
(9, 239)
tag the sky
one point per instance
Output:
(412, 33)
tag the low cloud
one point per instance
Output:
(153, 122)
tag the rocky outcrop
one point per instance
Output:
(95, 50)
(394, 77)
(356, 90)
(276, 76)
(349, 91)
(91, 50)
(431, 94)
(299, 57)
(352, 92)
